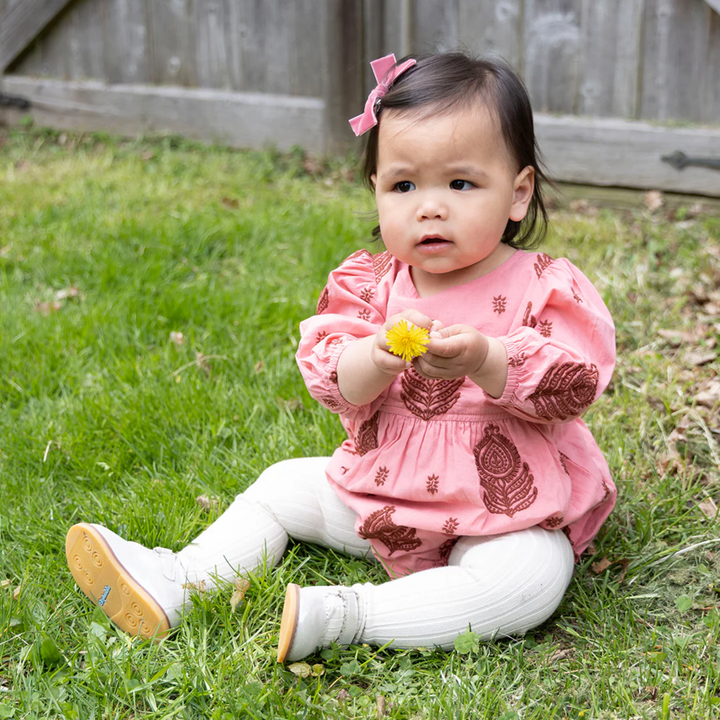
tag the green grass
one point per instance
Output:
(105, 419)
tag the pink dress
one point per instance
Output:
(431, 460)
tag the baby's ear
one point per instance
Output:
(523, 189)
(373, 180)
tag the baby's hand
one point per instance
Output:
(380, 353)
(453, 352)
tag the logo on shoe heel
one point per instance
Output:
(104, 596)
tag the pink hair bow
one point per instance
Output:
(386, 72)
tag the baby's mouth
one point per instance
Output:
(433, 241)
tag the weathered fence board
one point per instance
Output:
(492, 28)
(126, 42)
(171, 42)
(611, 50)
(237, 119)
(626, 154)
(21, 23)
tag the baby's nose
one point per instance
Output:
(432, 208)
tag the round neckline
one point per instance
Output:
(408, 281)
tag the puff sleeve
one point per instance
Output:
(561, 346)
(352, 306)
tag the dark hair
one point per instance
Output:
(440, 83)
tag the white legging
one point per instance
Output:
(497, 585)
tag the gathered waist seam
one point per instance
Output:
(480, 417)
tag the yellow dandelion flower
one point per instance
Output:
(406, 340)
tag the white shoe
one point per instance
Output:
(139, 589)
(317, 617)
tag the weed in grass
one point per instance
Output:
(110, 248)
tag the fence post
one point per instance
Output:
(343, 86)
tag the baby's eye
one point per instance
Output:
(404, 186)
(461, 185)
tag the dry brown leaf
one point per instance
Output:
(70, 292)
(5, 583)
(47, 308)
(653, 200)
(301, 669)
(558, 655)
(231, 203)
(242, 585)
(16, 592)
(600, 566)
(201, 361)
(700, 357)
(624, 563)
(177, 337)
(197, 587)
(259, 366)
(381, 707)
(676, 337)
(208, 503)
(708, 508)
(147, 155)
(709, 396)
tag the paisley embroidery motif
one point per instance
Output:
(367, 436)
(379, 526)
(432, 484)
(543, 261)
(565, 390)
(563, 458)
(445, 549)
(428, 398)
(509, 484)
(381, 265)
(324, 301)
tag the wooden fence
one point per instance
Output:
(633, 80)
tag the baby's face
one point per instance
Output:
(445, 188)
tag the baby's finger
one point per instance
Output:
(446, 347)
(412, 316)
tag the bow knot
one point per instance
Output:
(386, 71)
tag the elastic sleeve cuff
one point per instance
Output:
(515, 361)
(339, 403)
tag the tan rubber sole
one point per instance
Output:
(104, 579)
(288, 624)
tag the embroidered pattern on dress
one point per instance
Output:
(381, 475)
(381, 265)
(320, 336)
(545, 328)
(445, 549)
(563, 458)
(356, 254)
(323, 301)
(330, 402)
(554, 521)
(379, 526)
(509, 485)
(499, 304)
(543, 261)
(367, 294)
(364, 314)
(517, 360)
(367, 436)
(565, 390)
(333, 377)
(606, 488)
(529, 320)
(432, 484)
(576, 297)
(428, 398)
(450, 526)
